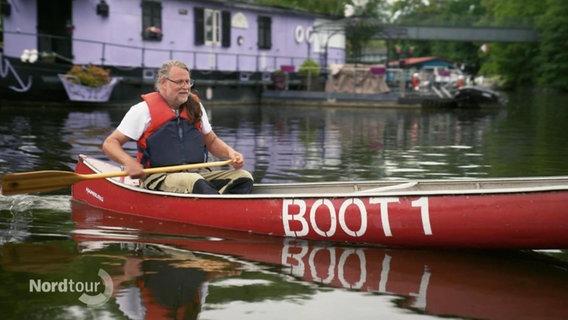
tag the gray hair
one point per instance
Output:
(164, 71)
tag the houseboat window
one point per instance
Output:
(264, 32)
(151, 20)
(212, 27)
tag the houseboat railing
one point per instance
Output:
(153, 57)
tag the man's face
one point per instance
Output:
(175, 88)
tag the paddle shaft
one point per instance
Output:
(49, 180)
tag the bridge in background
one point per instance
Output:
(444, 28)
(457, 33)
(436, 28)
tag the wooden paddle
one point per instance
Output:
(49, 180)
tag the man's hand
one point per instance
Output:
(238, 159)
(134, 169)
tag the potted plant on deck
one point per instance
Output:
(278, 80)
(308, 70)
(88, 83)
(45, 56)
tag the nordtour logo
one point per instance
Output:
(93, 293)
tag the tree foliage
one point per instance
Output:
(552, 62)
(367, 20)
(515, 63)
(327, 7)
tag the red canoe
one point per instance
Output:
(512, 213)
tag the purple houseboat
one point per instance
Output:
(234, 48)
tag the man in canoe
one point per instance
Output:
(170, 127)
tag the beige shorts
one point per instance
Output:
(184, 182)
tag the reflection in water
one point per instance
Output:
(282, 143)
(17, 144)
(159, 282)
(42, 138)
(299, 144)
(158, 273)
(28, 217)
(85, 132)
(289, 144)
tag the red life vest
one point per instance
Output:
(170, 139)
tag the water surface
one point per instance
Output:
(159, 269)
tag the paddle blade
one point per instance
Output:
(38, 181)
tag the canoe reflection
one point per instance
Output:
(471, 284)
(165, 283)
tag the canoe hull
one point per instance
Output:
(525, 220)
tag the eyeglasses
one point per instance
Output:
(181, 83)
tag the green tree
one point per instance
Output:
(515, 63)
(326, 7)
(552, 59)
(403, 9)
(367, 20)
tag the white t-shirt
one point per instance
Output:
(137, 119)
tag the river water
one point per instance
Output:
(60, 260)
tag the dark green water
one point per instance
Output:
(176, 271)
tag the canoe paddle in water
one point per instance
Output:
(49, 180)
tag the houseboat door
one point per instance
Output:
(55, 28)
